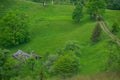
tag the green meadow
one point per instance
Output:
(52, 26)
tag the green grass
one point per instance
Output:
(51, 27)
(103, 76)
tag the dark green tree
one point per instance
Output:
(77, 13)
(13, 29)
(96, 8)
(96, 33)
(113, 4)
(7, 65)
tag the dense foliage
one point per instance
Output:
(13, 29)
(96, 8)
(66, 57)
(66, 65)
(73, 2)
(113, 62)
(77, 13)
(7, 65)
(113, 4)
(115, 28)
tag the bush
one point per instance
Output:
(13, 29)
(7, 65)
(115, 28)
(73, 46)
(66, 65)
(113, 61)
(96, 8)
(50, 61)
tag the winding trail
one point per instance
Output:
(109, 33)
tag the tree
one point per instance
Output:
(7, 65)
(113, 4)
(78, 13)
(50, 61)
(66, 65)
(113, 61)
(96, 33)
(115, 28)
(30, 68)
(72, 46)
(96, 8)
(13, 29)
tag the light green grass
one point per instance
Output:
(51, 26)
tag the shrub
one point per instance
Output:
(72, 46)
(115, 28)
(66, 65)
(7, 65)
(113, 61)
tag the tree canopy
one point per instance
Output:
(77, 13)
(13, 29)
(66, 65)
(96, 8)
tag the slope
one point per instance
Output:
(51, 27)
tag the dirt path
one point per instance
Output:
(109, 33)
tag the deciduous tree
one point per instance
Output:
(96, 8)
(77, 13)
(13, 29)
(66, 65)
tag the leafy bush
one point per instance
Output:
(115, 28)
(66, 65)
(113, 61)
(13, 29)
(7, 65)
(50, 61)
(72, 46)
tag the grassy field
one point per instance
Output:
(51, 27)
(103, 76)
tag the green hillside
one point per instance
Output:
(52, 26)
